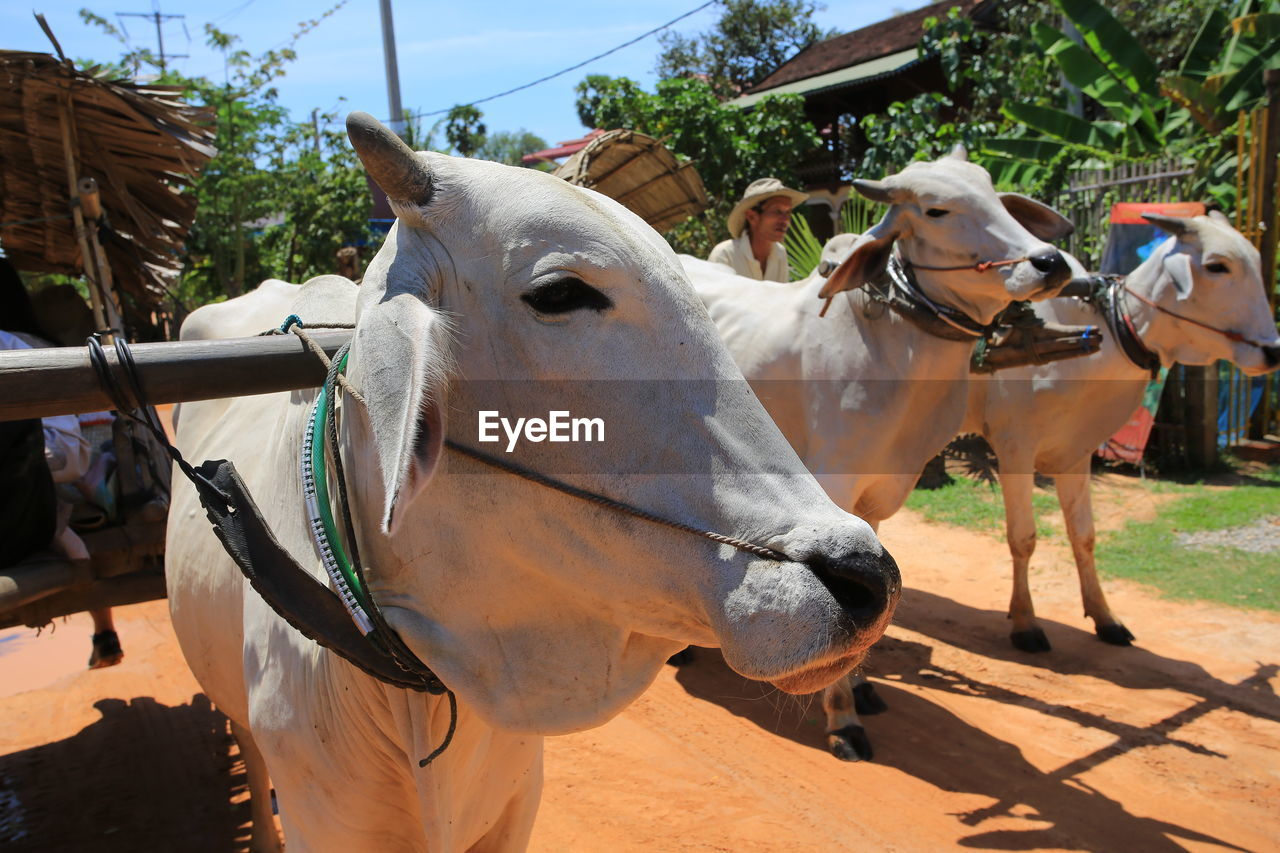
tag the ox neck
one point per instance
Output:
(957, 289)
(1130, 321)
(900, 290)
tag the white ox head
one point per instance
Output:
(1208, 273)
(507, 289)
(947, 214)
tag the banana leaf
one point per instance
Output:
(1262, 27)
(1113, 44)
(1085, 71)
(1065, 126)
(1203, 104)
(1010, 174)
(1198, 62)
(1245, 84)
(1034, 150)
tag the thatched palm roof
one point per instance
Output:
(141, 144)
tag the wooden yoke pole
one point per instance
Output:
(37, 383)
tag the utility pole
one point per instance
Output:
(393, 73)
(158, 18)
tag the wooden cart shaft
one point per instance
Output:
(36, 383)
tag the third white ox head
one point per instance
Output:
(1207, 282)
(544, 612)
(946, 214)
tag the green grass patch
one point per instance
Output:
(1149, 551)
(976, 506)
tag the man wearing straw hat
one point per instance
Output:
(758, 223)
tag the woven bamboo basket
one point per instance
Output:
(640, 173)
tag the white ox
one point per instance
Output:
(1050, 418)
(865, 397)
(545, 614)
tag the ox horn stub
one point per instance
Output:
(1175, 225)
(880, 191)
(959, 152)
(401, 174)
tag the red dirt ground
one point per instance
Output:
(1173, 744)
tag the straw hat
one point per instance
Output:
(757, 193)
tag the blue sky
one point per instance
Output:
(448, 52)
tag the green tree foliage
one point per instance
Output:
(505, 146)
(1138, 110)
(986, 68)
(750, 40)
(731, 146)
(327, 206)
(464, 129)
(280, 197)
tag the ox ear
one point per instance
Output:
(868, 259)
(1178, 266)
(400, 361)
(1041, 220)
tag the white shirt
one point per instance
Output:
(65, 449)
(737, 253)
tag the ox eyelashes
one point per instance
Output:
(565, 295)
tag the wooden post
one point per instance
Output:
(91, 205)
(87, 258)
(1202, 416)
(1270, 224)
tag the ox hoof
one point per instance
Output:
(867, 701)
(1033, 640)
(850, 744)
(684, 657)
(1116, 635)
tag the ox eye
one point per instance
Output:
(1216, 267)
(936, 212)
(565, 295)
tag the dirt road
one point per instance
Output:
(1173, 744)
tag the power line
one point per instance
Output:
(226, 16)
(158, 18)
(670, 23)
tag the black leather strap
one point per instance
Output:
(302, 601)
(899, 290)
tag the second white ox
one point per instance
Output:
(1197, 299)
(545, 614)
(865, 396)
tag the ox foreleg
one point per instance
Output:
(843, 702)
(1077, 510)
(264, 838)
(1016, 484)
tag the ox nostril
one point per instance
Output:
(1271, 355)
(1048, 262)
(864, 585)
